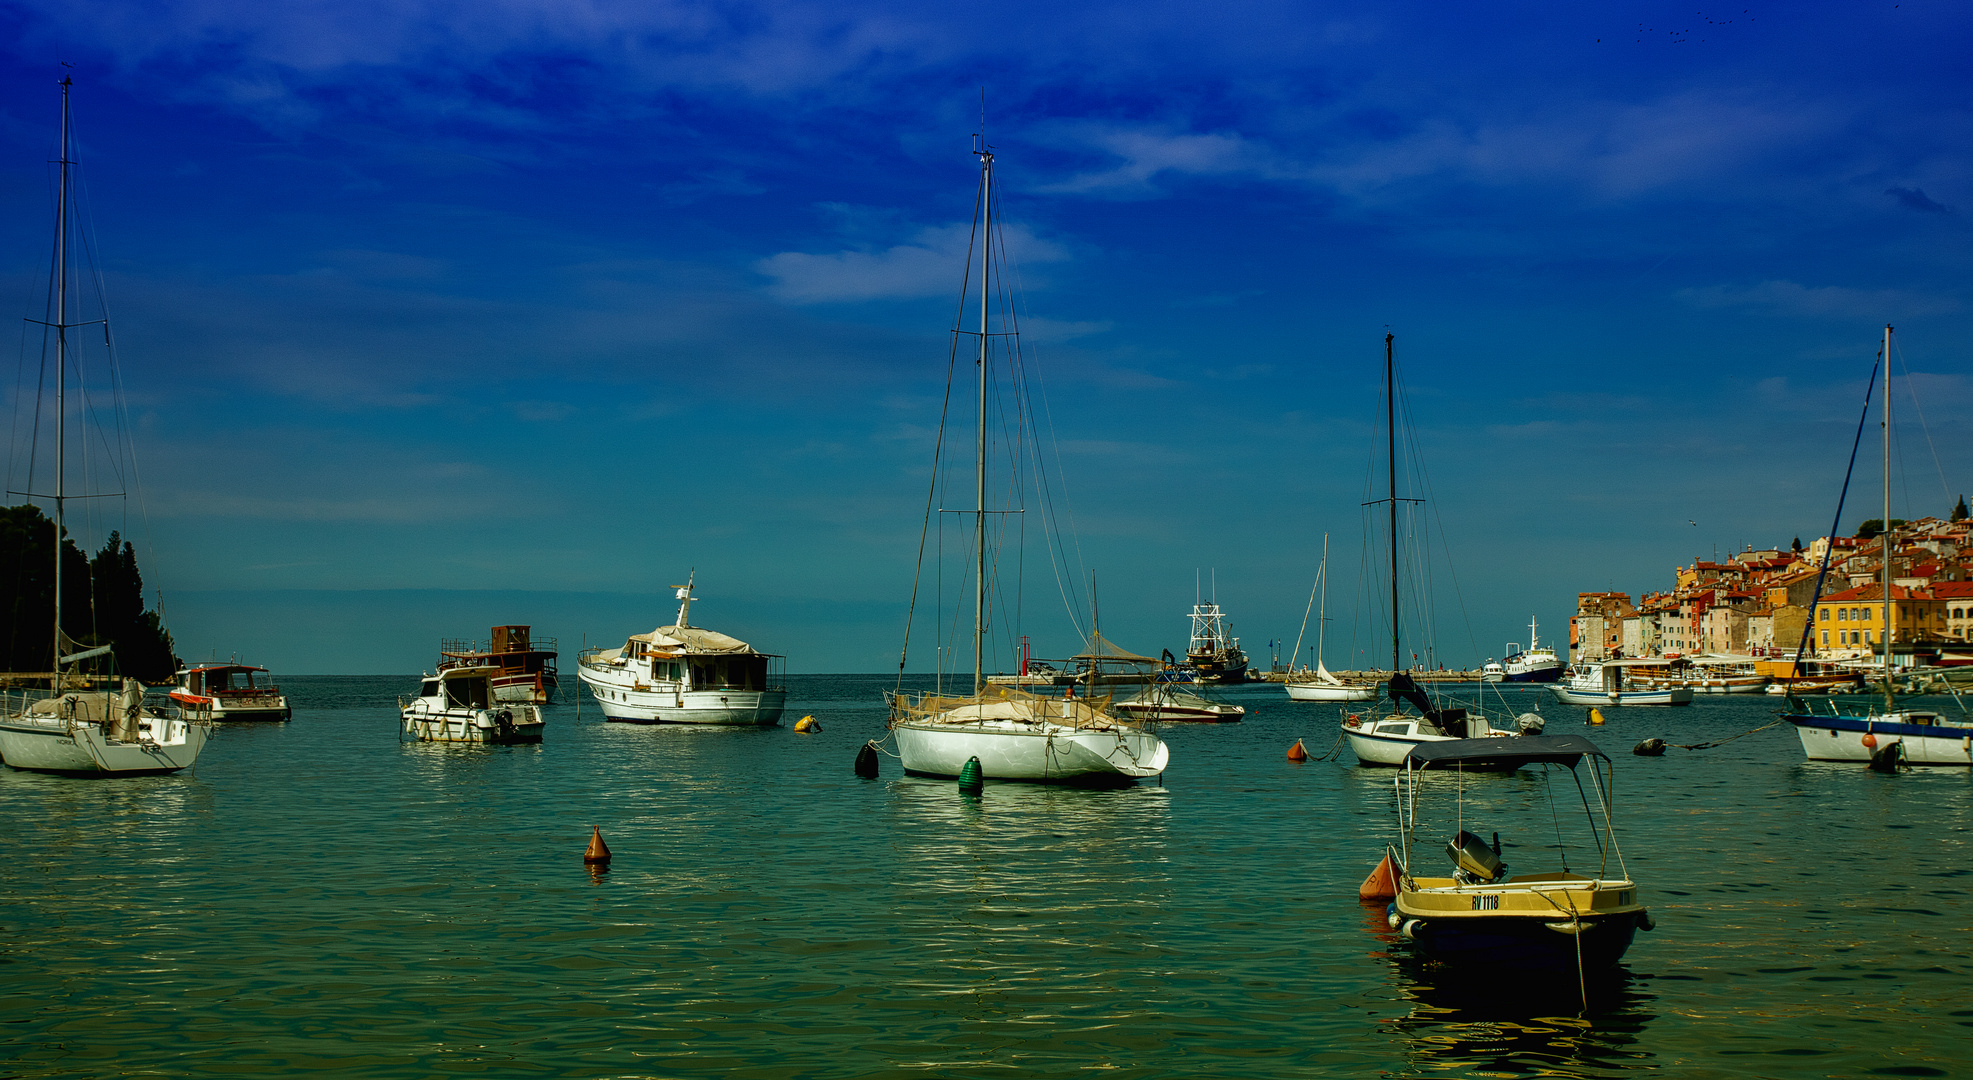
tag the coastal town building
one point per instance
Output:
(1764, 602)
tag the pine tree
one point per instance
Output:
(1959, 510)
(102, 601)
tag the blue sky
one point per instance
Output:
(437, 314)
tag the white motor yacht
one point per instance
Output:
(685, 674)
(1607, 682)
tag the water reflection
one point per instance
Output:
(1502, 1022)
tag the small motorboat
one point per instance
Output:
(227, 691)
(1481, 916)
(1164, 701)
(1385, 739)
(1608, 683)
(457, 705)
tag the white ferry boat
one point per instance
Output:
(1538, 664)
(685, 674)
(457, 705)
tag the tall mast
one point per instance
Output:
(1322, 617)
(979, 481)
(1884, 538)
(61, 372)
(1391, 427)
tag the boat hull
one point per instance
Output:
(83, 750)
(487, 727)
(1537, 675)
(1031, 752)
(1519, 943)
(207, 707)
(1677, 696)
(627, 702)
(1230, 714)
(1840, 738)
(1325, 692)
(1384, 743)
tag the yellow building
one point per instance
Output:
(1857, 619)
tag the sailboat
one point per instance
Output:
(82, 725)
(1386, 739)
(1013, 734)
(1891, 734)
(1323, 686)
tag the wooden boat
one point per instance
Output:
(526, 667)
(1164, 701)
(1481, 915)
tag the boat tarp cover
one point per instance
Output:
(1107, 651)
(1005, 703)
(694, 638)
(1500, 750)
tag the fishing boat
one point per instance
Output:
(1887, 733)
(1493, 672)
(1213, 655)
(457, 706)
(1481, 915)
(685, 674)
(82, 725)
(1385, 737)
(1320, 685)
(228, 691)
(1014, 734)
(1160, 702)
(1538, 664)
(527, 667)
(1608, 682)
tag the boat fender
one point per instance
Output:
(1650, 748)
(972, 779)
(1296, 752)
(866, 761)
(1412, 928)
(1391, 916)
(808, 724)
(1644, 921)
(1869, 740)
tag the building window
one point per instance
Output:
(1825, 634)
(1842, 614)
(1825, 618)
(1866, 637)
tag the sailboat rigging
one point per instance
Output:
(1386, 739)
(80, 725)
(1891, 735)
(1011, 733)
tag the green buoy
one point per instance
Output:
(972, 780)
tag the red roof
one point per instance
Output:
(1873, 591)
(1952, 590)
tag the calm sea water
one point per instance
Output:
(320, 898)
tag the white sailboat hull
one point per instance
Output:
(1315, 691)
(1387, 741)
(1033, 752)
(54, 745)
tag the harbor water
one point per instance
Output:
(320, 898)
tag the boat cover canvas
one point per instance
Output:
(1503, 750)
(692, 638)
(1106, 651)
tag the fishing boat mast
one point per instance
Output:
(979, 480)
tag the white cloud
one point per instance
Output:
(930, 265)
(1822, 301)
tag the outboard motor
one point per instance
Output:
(1475, 863)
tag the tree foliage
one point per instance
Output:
(102, 601)
(1872, 527)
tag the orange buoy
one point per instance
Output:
(808, 724)
(598, 852)
(1869, 741)
(1296, 753)
(1382, 884)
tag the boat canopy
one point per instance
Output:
(1520, 750)
(1107, 651)
(693, 638)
